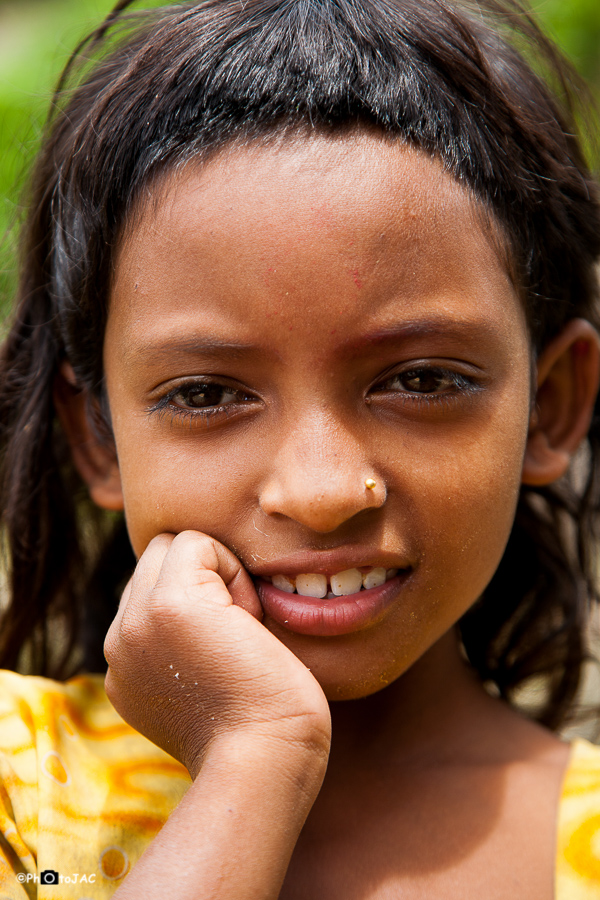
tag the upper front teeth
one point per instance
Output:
(311, 585)
(284, 583)
(348, 582)
(375, 577)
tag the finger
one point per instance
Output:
(149, 567)
(138, 587)
(200, 563)
(116, 622)
(242, 590)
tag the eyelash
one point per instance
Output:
(165, 407)
(460, 385)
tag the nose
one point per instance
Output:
(321, 476)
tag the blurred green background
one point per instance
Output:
(36, 37)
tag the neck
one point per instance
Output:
(436, 712)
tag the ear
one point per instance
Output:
(95, 459)
(568, 373)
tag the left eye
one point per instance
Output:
(424, 381)
(203, 396)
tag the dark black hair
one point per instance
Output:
(147, 92)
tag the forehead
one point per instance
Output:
(313, 223)
(309, 175)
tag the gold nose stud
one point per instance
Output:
(370, 484)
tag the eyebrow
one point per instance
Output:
(218, 349)
(194, 346)
(438, 326)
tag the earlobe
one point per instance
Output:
(543, 462)
(95, 459)
(568, 374)
(107, 492)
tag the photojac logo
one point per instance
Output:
(49, 876)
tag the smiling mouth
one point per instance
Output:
(332, 605)
(342, 584)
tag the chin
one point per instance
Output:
(350, 667)
(352, 691)
(344, 675)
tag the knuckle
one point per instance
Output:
(109, 685)
(131, 632)
(115, 694)
(109, 648)
(200, 546)
(115, 645)
(165, 614)
(111, 642)
(161, 542)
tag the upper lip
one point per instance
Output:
(328, 562)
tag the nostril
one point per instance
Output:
(321, 507)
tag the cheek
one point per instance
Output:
(467, 503)
(460, 512)
(169, 491)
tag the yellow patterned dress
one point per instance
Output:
(578, 848)
(82, 795)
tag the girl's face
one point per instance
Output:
(290, 321)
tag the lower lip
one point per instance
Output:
(327, 618)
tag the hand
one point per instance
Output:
(191, 665)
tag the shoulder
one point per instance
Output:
(578, 839)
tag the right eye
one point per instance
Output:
(203, 395)
(425, 380)
(206, 402)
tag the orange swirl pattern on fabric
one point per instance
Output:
(81, 792)
(578, 844)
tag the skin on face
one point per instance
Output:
(356, 321)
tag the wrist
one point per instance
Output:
(297, 755)
(238, 824)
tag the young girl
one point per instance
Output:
(308, 293)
